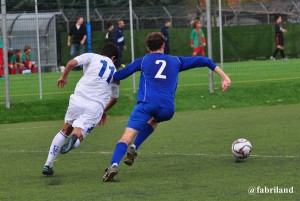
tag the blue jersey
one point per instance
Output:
(159, 76)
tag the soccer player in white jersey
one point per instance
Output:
(88, 102)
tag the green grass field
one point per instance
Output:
(254, 83)
(187, 158)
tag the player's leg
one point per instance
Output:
(118, 154)
(55, 148)
(140, 138)
(159, 115)
(84, 124)
(137, 121)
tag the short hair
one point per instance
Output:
(27, 47)
(276, 17)
(167, 20)
(155, 40)
(78, 18)
(108, 25)
(195, 22)
(110, 50)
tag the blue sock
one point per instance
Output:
(143, 135)
(119, 152)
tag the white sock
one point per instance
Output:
(133, 145)
(57, 142)
(77, 143)
(115, 164)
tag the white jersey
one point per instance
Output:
(98, 73)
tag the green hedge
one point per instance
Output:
(239, 42)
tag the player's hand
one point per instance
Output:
(103, 119)
(68, 44)
(61, 82)
(125, 48)
(192, 45)
(226, 84)
(82, 42)
(204, 44)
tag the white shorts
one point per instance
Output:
(83, 113)
(115, 90)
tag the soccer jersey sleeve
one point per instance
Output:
(194, 62)
(84, 59)
(128, 70)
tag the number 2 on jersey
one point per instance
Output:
(161, 69)
(103, 69)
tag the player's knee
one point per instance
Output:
(67, 129)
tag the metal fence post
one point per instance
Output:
(132, 42)
(101, 18)
(209, 44)
(221, 35)
(38, 49)
(170, 16)
(88, 26)
(268, 14)
(5, 49)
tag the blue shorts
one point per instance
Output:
(143, 112)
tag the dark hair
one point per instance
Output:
(167, 20)
(195, 22)
(110, 50)
(108, 25)
(277, 17)
(155, 40)
(78, 18)
(27, 47)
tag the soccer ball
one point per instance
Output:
(241, 148)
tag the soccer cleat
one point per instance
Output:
(110, 173)
(69, 144)
(131, 155)
(47, 170)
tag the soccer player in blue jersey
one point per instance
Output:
(155, 100)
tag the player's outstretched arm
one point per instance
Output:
(226, 80)
(62, 81)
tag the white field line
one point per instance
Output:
(149, 153)
(25, 128)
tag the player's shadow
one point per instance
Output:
(52, 180)
(240, 161)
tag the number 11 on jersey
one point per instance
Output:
(103, 69)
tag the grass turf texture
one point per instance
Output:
(254, 83)
(187, 158)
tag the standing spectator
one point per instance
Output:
(120, 41)
(198, 41)
(165, 31)
(78, 34)
(109, 37)
(1, 57)
(27, 59)
(15, 61)
(279, 38)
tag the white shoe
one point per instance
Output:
(272, 58)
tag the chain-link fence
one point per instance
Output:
(241, 42)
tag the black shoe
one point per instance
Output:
(47, 170)
(131, 155)
(69, 144)
(110, 173)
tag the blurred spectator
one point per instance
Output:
(165, 31)
(109, 37)
(27, 59)
(15, 61)
(198, 41)
(279, 30)
(120, 41)
(78, 34)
